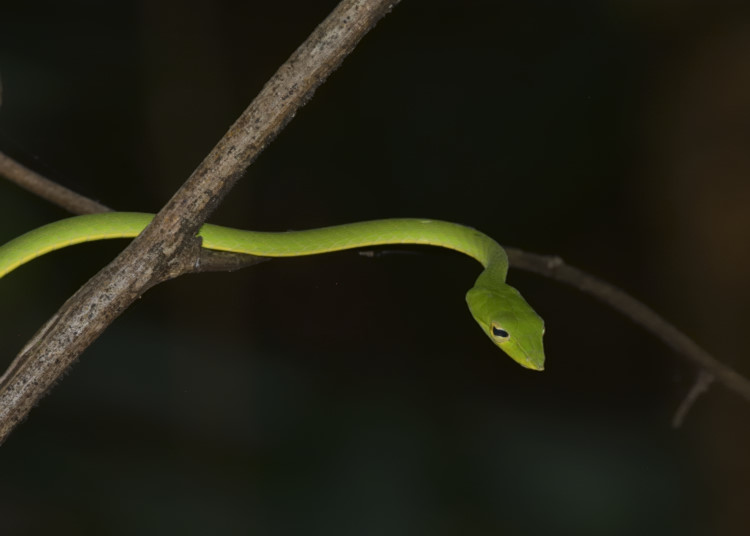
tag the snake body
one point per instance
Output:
(498, 308)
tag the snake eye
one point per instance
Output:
(499, 333)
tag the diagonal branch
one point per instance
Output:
(641, 314)
(168, 247)
(47, 189)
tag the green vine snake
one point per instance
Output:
(499, 309)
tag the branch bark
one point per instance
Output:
(169, 247)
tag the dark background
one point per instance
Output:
(346, 395)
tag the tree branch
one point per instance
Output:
(47, 189)
(555, 268)
(168, 247)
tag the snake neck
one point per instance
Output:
(495, 269)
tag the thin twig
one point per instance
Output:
(47, 189)
(168, 246)
(224, 261)
(702, 382)
(555, 268)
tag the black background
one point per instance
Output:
(346, 395)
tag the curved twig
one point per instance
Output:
(701, 384)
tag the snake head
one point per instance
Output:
(509, 322)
